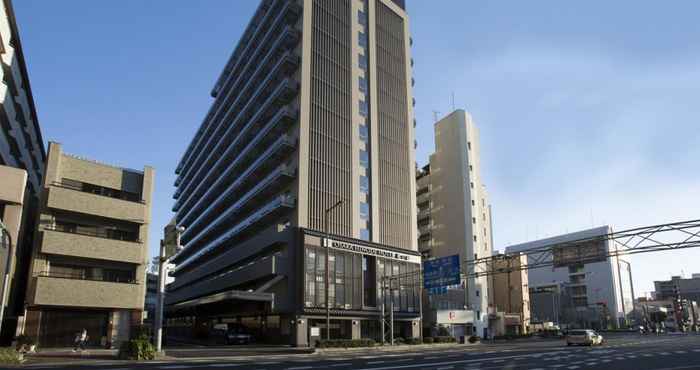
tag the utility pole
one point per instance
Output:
(327, 244)
(168, 247)
(8, 263)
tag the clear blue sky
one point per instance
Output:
(588, 110)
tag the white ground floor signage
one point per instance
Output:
(363, 249)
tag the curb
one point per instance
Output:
(398, 348)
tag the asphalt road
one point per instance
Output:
(619, 353)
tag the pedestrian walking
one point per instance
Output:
(80, 340)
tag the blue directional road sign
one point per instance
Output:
(441, 272)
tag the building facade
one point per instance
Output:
(21, 147)
(454, 214)
(600, 291)
(313, 110)
(685, 288)
(509, 295)
(89, 259)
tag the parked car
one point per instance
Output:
(585, 337)
(238, 334)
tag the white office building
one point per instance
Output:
(601, 292)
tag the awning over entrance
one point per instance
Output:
(241, 295)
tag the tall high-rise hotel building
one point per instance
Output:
(313, 109)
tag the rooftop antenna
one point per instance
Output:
(453, 101)
(436, 114)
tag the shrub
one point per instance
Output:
(137, 349)
(473, 339)
(399, 340)
(428, 340)
(345, 343)
(414, 341)
(24, 342)
(10, 356)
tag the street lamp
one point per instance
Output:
(4, 232)
(166, 252)
(327, 244)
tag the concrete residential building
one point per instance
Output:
(551, 303)
(21, 147)
(454, 214)
(601, 291)
(89, 260)
(314, 107)
(509, 296)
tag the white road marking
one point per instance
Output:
(338, 365)
(664, 353)
(375, 362)
(445, 368)
(680, 352)
(572, 367)
(300, 368)
(224, 365)
(175, 367)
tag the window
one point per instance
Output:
(469, 145)
(471, 168)
(473, 203)
(362, 17)
(363, 84)
(364, 133)
(363, 61)
(364, 109)
(472, 185)
(362, 39)
(475, 238)
(478, 315)
(364, 211)
(474, 220)
(369, 277)
(364, 234)
(364, 184)
(477, 292)
(364, 159)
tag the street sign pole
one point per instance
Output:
(8, 264)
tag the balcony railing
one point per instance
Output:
(127, 236)
(85, 276)
(271, 32)
(98, 190)
(188, 255)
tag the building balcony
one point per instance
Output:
(69, 199)
(284, 38)
(263, 190)
(285, 91)
(246, 104)
(245, 228)
(424, 214)
(54, 240)
(68, 291)
(253, 271)
(261, 164)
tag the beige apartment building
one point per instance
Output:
(454, 218)
(509, 302)
(89, 259)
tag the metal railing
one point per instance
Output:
(94, 232)
(82, 275)
(99, 190)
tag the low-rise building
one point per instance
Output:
(685, 288)
(509, 302)
(90, 255)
